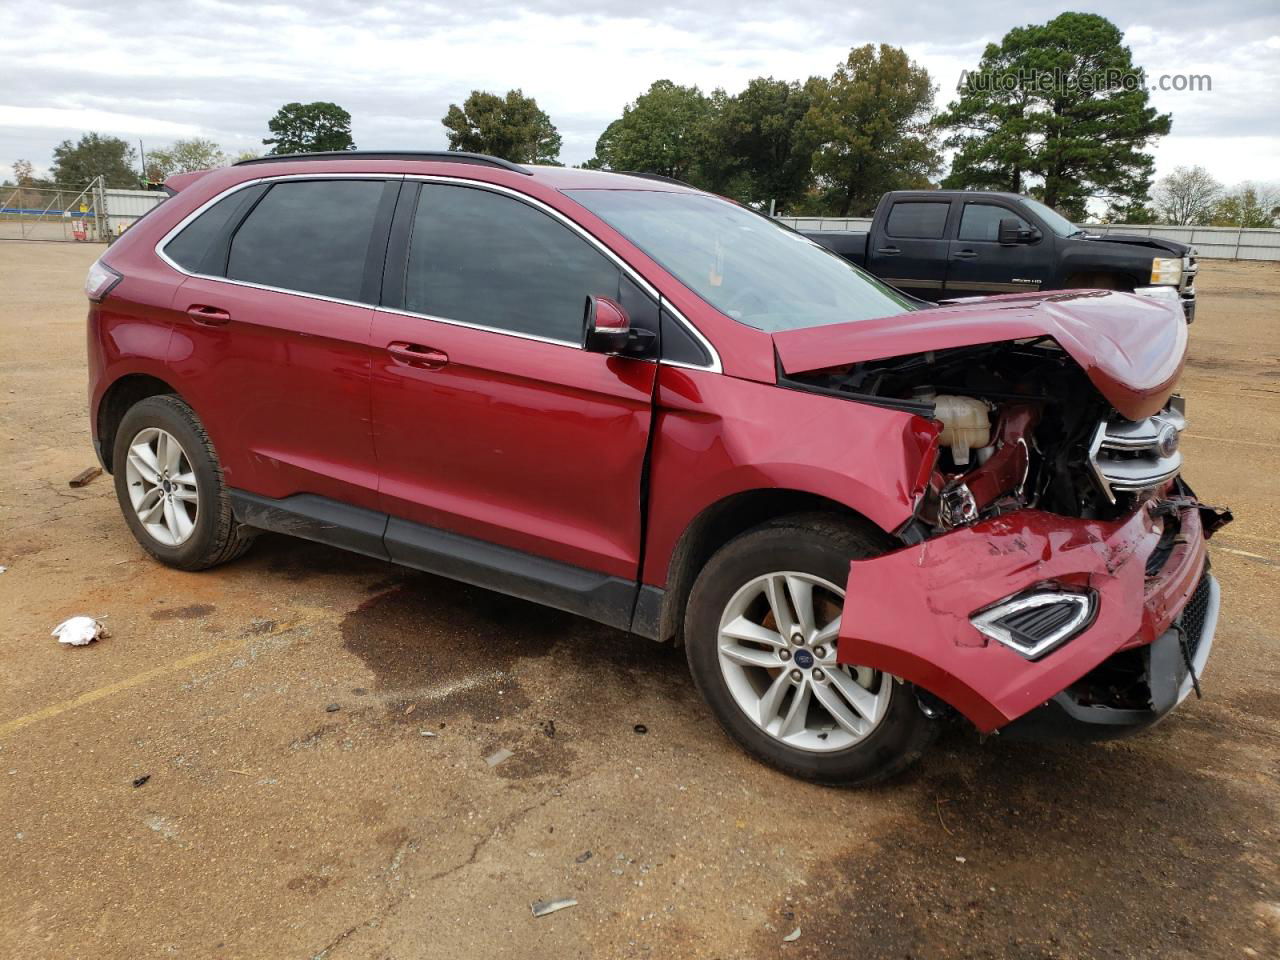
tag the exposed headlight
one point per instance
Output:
(99, 281)
(1166, 270)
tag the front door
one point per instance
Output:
(980, 265)
(490, 420)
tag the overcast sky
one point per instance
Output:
(218, 69)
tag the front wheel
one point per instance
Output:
(762, 632)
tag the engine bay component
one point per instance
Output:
(1128, 456)
(966, 424)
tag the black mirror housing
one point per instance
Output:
(606, 328)
(1012, 232)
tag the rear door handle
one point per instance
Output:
(416, 355)
(207, 315)
(888, 251)
(965, 255)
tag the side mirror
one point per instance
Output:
(1012, 232)
(606, 328)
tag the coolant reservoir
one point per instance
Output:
(966, 425)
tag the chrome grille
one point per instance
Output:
(1129, 456)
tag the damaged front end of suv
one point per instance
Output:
(1054, 579)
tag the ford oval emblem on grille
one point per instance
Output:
(1167, 442)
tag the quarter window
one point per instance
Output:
(311, 236)
(188, 249)
(981, 221)
(919, 220)
(483, 258)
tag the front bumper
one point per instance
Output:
(1184, 295)
(908, 612)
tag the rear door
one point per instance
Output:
(490, 420)
(273, 333)
(910, 251)
(981, 265)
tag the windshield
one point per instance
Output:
(1051, 217)
(744, 264)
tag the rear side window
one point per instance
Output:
(311, 236)
(491, 260)
(188, 248)
(981, 221)
(921, 220)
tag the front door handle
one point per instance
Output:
(207, 315)
(965, 255)
(888, 251)
(416, 355)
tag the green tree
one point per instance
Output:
(511, 127)
(309, 128)
(1187, 195)
(1249, 205)
(184, 156)
(870, 124)
(756, 149)
(94, 155)
(664, 132)
(1058, 110)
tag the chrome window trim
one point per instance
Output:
(715, 365)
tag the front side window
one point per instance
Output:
(311, 236)
(491, 260)
(918, 219)
(981, 221)
(745, 265)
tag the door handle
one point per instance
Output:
(416, 355)
(965, 255)
(209, 316)
(888, 251)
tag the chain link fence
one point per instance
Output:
(54, 213)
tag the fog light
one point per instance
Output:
(1033, 624)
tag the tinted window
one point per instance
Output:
(981, 221)
(488, 259)
(921, 220)
(188, 248)
(308, 235)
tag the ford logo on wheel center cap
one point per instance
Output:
(804, 659)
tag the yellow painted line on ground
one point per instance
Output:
(101, 693)
(1251, 443)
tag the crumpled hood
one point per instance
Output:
(1132, 348)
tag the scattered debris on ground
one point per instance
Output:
(427, 733)
(792, 937)
(333, 708)
(85, 477)
(583, 857)
(543, 907)
(78, 631)
(139, 781)
(496, 758)
(640, 728)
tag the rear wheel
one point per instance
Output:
(762, 634)
(170, 487)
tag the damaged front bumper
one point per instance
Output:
(1152, 610)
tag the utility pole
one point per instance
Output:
(142, 151)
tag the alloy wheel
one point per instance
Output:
(777, 652)
(162, 486)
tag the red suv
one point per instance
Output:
(619, 396)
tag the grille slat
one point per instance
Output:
(1191, 620)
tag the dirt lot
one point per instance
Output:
(296, 807)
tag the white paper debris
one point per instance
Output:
(543, 907)
(78, 631)
(496, 758)
(792, 937)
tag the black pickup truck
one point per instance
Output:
(947, 244)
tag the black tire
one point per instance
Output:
(216, 537)
(821, 545)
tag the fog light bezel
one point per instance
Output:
(985, 621)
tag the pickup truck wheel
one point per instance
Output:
(761, 634)
(170, 487)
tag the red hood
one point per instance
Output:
(1131, 347)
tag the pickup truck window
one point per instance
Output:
(1051, 217)
(981, 221)
(743, 264)
(916, 219)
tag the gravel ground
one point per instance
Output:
(313, 728)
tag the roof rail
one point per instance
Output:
(656, 176)
(448, 156)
